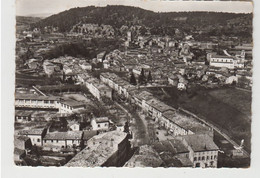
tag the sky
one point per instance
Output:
(49, 7)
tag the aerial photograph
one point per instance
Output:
(101, 84)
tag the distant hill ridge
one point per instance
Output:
(117, 16)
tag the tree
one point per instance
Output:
(149, 77)
(142, 78)
(132, 79)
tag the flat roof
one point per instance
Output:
(35, 97)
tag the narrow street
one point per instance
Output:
(138, 126)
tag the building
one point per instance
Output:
(173, 153)
(74, 126)
(23, 116)
(61, 140)
(70, 106)
(22, 142)
(106, 149)
(100, 123)
(203, 151)
(36, 135)
(97, 89)
(36, 101)
(145, 156)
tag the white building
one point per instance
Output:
(36, 135)
(36, 101)
(100, 123)
(59, 140)
(203, 151)
(70, 106)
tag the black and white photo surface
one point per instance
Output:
(133, 83)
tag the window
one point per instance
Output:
(211, 163)
(215, 157)
(199, 158)
(203, 158)
(57, 141)
(195, 158)
(46, 101)
(44, 141)
(51, 102)
(98, 125)
(38, 140)
(211, 157)
(207, 157)
(51, 141)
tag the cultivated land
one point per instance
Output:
(222, 107)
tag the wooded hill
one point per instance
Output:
(117, 16)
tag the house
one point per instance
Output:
(231, 79)
(22, 142)
(18, 155)
(203, 151)
(70, 106)
(106, 149)
(181, 86)
(74, 126)
(100, 123)
(59, 140)
(97, 89)
(36, 135)
(23, 116)
(174, 153)
(145, 156)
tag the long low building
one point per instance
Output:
(106, 149)
(63, 105)
(36, 101)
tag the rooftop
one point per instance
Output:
(87, 134)
(99, 151)
(70, 135)
(101, 119)
(145, 156)
(200, 142)
(35, 97)
(32, 132)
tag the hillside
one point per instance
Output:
(117, 16)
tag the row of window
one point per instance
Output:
(38, 101)
(204, 158)
(222, 60)
(57, 141)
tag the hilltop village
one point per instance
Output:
(133, 101)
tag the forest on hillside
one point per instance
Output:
(117, 16)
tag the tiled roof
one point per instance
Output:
(146, 156)
(200, 142)
(97, 154)
(70, 135)
(31, 132)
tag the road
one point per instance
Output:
(138, 126)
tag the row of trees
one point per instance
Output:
(142, 79)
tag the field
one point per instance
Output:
(229, 109)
